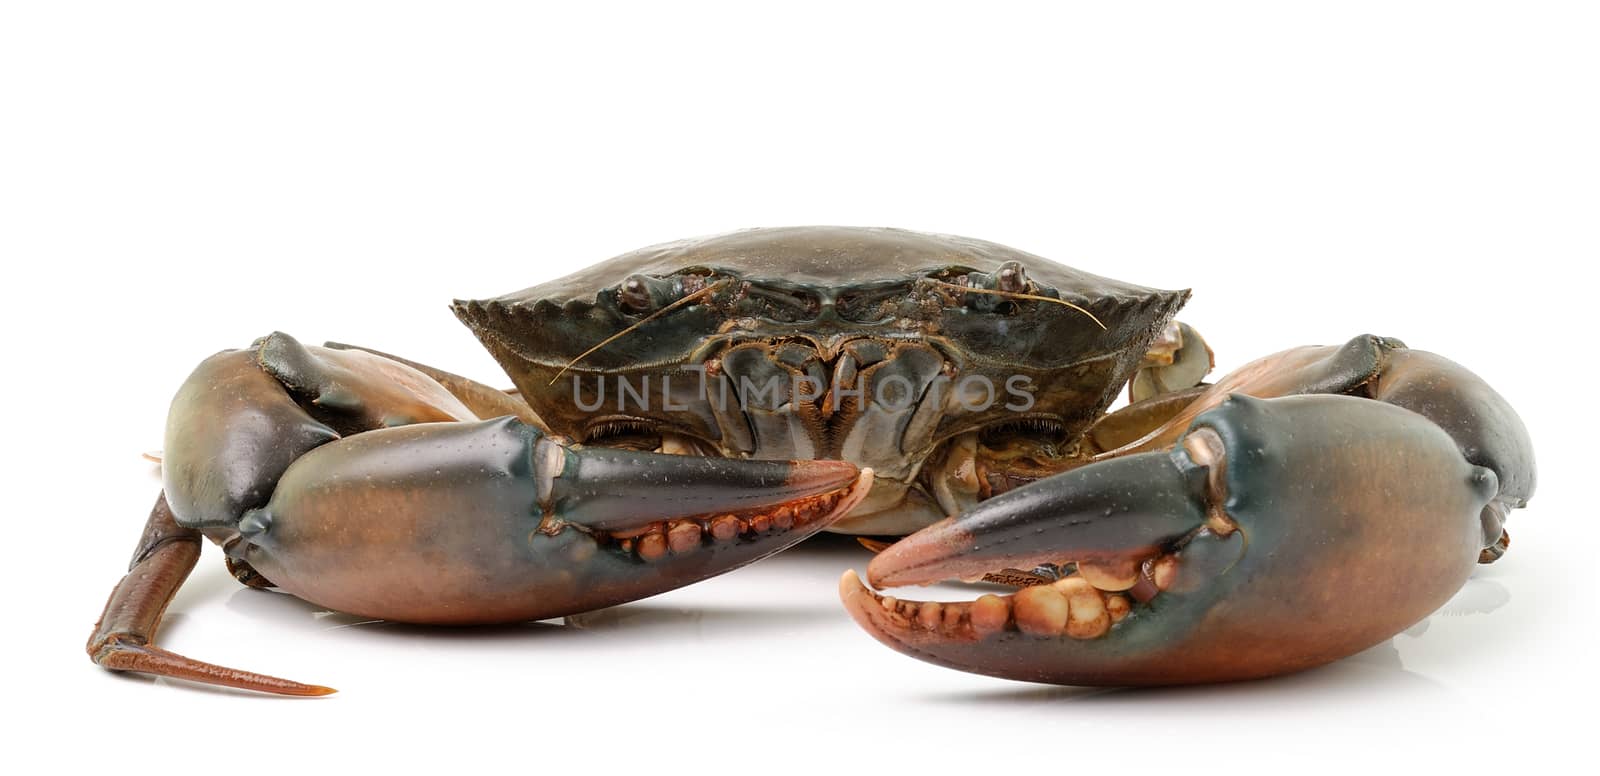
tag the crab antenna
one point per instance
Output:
(1034, 297)
(702, 293)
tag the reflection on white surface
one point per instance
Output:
(1382, 667)
(762, 605)
(1477, 596)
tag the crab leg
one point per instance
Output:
(1274, 535)
(366, 485)
(124, 638)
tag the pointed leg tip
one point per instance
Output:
(289, 688)
(875, 546)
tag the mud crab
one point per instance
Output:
(691, 407)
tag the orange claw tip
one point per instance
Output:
(822, 475)
(849, 582)
(930, 555)
(854, 496)
(860, 602)
(851, 588)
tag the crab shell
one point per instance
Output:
(862, 344)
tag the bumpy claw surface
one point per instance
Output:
(1276, 535)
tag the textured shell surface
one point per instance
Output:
(557, 320)
(802, 296)
(822, 256)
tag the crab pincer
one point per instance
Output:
(1276, 535)
(363, 485)
(493, 521)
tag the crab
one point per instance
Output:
(691, 407)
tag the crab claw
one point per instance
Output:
(457, 523)
(626, 492)
(1107, 513)
(1277, 535)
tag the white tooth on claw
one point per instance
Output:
(1163, 570)
(652, 546)
(952, 618)
(1087, 617)
(1040, 610)
(725, 528)
(1118, 607)
(929, 614)
(990, 614)
(683, 536)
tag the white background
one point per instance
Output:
(180, 178)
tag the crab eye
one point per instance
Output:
(1007, 279)
(640, 294)
(1011, 278)
(634, 295)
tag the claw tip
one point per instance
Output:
(851, 588)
